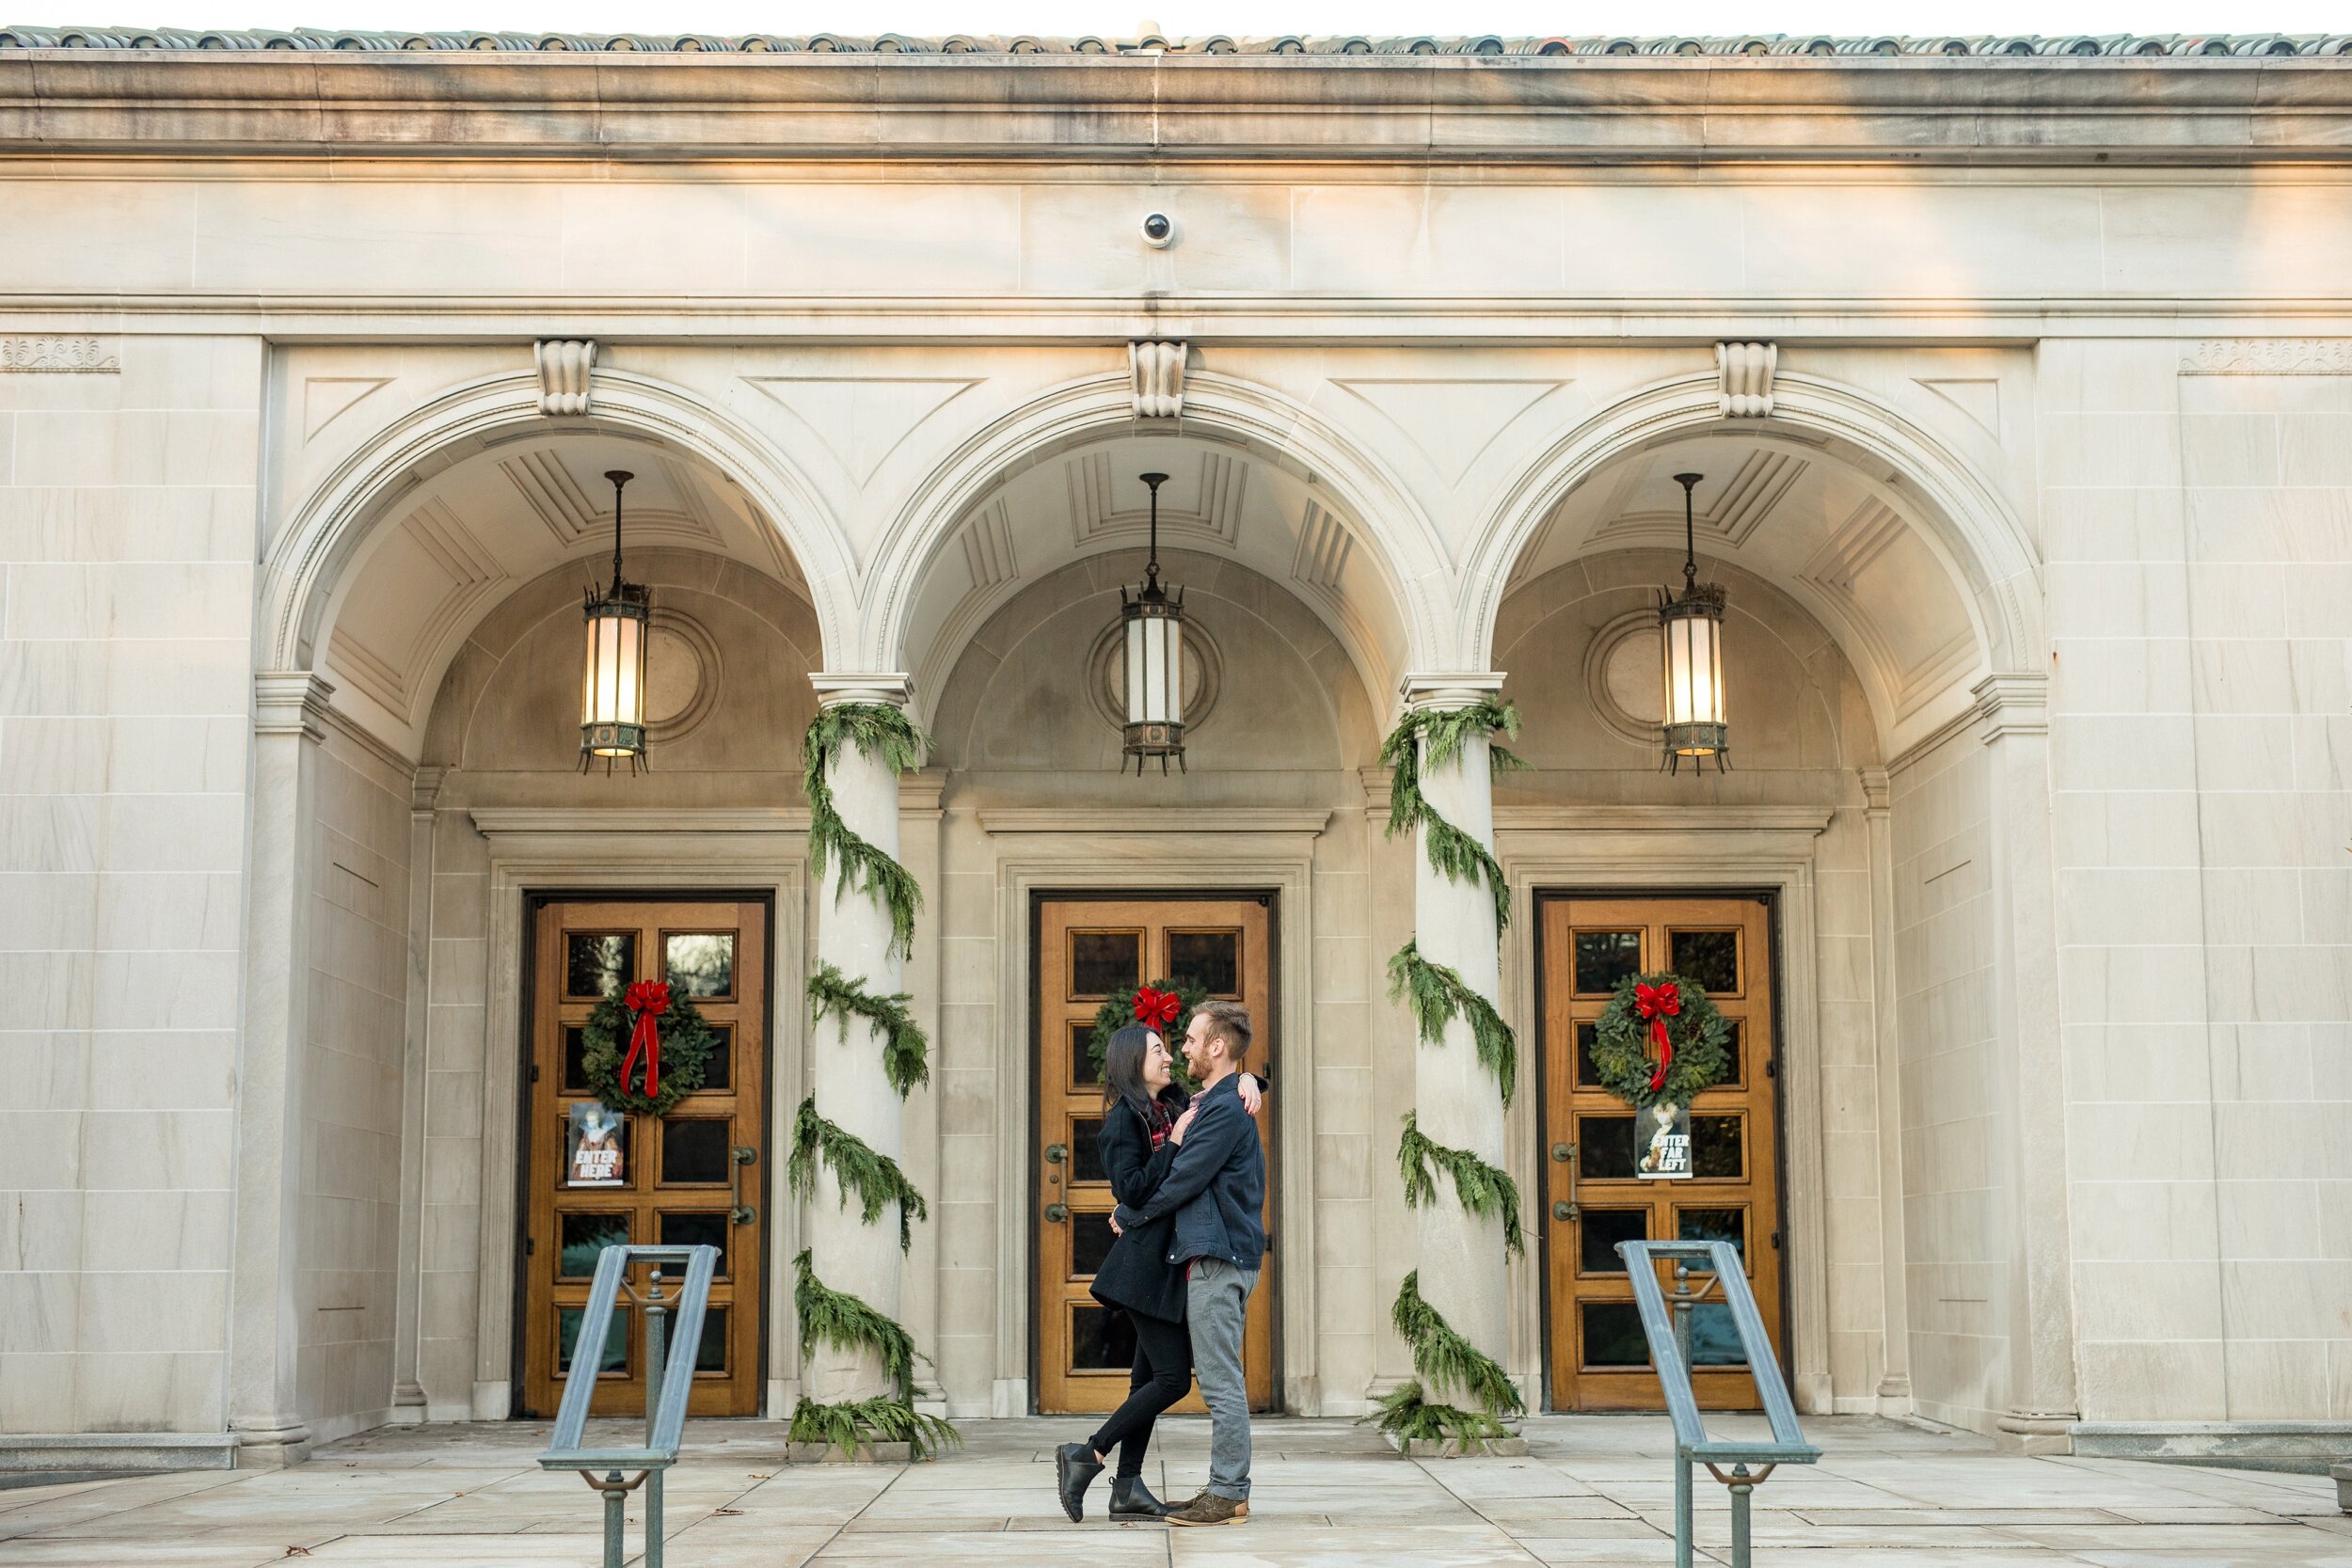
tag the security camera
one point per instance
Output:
(1159, 231)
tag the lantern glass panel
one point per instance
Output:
(613, 683)
(1694, 672)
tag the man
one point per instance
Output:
(1217, 1189)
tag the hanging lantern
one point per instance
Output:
(1153, 634)
(613, 691)
(1692, 629)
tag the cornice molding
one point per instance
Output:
(1808, 820)
(519, 821)
(1138, 821)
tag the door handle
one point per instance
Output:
(1056, 1153)
(1057, 1212)
(1566, 1209)
(743, 1154)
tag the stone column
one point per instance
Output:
(407, 1391)
(919, 813)
(1456, 1100)
(264, 1314)
(2030, 1087)
(1894, 1390)
(854, 935)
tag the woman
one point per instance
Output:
(1144, 1118)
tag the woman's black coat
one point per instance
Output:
(1135, 1274)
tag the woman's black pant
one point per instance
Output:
(1163, 1374)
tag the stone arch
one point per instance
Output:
(1977, 537)
(1398, 540)
(306, 565)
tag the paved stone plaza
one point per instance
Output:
(1595, 1490)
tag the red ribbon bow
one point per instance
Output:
(648, 1000)
(1658, 1004)
(1158, 1008)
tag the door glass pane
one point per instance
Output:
(1612, 1335)
(1104, 964)
(719, 1067)
(575, 1079)
(1210, 959)
(1083, 1070)
(1600, 1232)
(1714, 1336)
(1714, 1225)
(700, 963)
(1709, 957)
(700, 1229)
(1100, 1340)
(1736, 1048)
(582, 1237)
(711, 1354)
(1091, 1241)
(1587, 1070)
(597, 964)
(1604, 1147)
(1085, 1150)
(567, 1321)
(1605, 958)
(694, 1149)
(1715, 1148)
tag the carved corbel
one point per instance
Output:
(1159, 373)
(1746, 370)
(565, 366)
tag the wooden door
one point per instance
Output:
(1088, 950)
(692, 1177)
(1592, 1199)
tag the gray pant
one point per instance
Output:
(1217, 1302)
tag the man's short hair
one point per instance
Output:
(1230, 1022)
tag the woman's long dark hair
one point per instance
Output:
(1123, 1073)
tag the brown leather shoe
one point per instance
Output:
(1210, 1509)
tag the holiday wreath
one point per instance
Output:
(645, 1035)
(1165, 1007)
(1658, 1039)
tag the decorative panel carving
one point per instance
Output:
(47, 355)
(2269, 356)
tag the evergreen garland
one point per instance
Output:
(846, 1322)
(1437, 994)
(906, 1052)
(1621, 1044)
(877, 730)
(1483, 1189)
(1443, 1357)
(875, 1177)
(1455, 854)
(1406, 1414)
(848, 1426)
(687, 1042)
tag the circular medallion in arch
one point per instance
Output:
(1625, 676)
(1203, 675)
(681, 675)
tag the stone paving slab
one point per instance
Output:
(1592, 1491)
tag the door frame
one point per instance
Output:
(1155, 851)
(1620, 851)
(1039, 897)
(763, 1285)
(569, 852)
(1545, 1045)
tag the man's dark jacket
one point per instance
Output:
(1135, 1273)
(1214, 1187)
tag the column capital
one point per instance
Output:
(291, 702)
(836, 687)
(2012, 704)
(1441, 691)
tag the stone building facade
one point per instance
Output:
(2019, 375)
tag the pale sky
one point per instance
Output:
(1242, 18)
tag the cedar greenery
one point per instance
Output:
(879, 730)
(1443, 1357)
(1407, 1415)
(849, 1427)
(875, 1177)
(1484, 1190)
(1428, 737)
(1437, 994)
(906, 1052)
(846, 1322)
(687, 1042)
(1118, 1011)
(1701, 1037)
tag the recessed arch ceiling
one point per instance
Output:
(1830, 526)
(487, 520)
(1223, 497)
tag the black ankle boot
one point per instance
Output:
(1132, 1499)
(1075, 1470)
